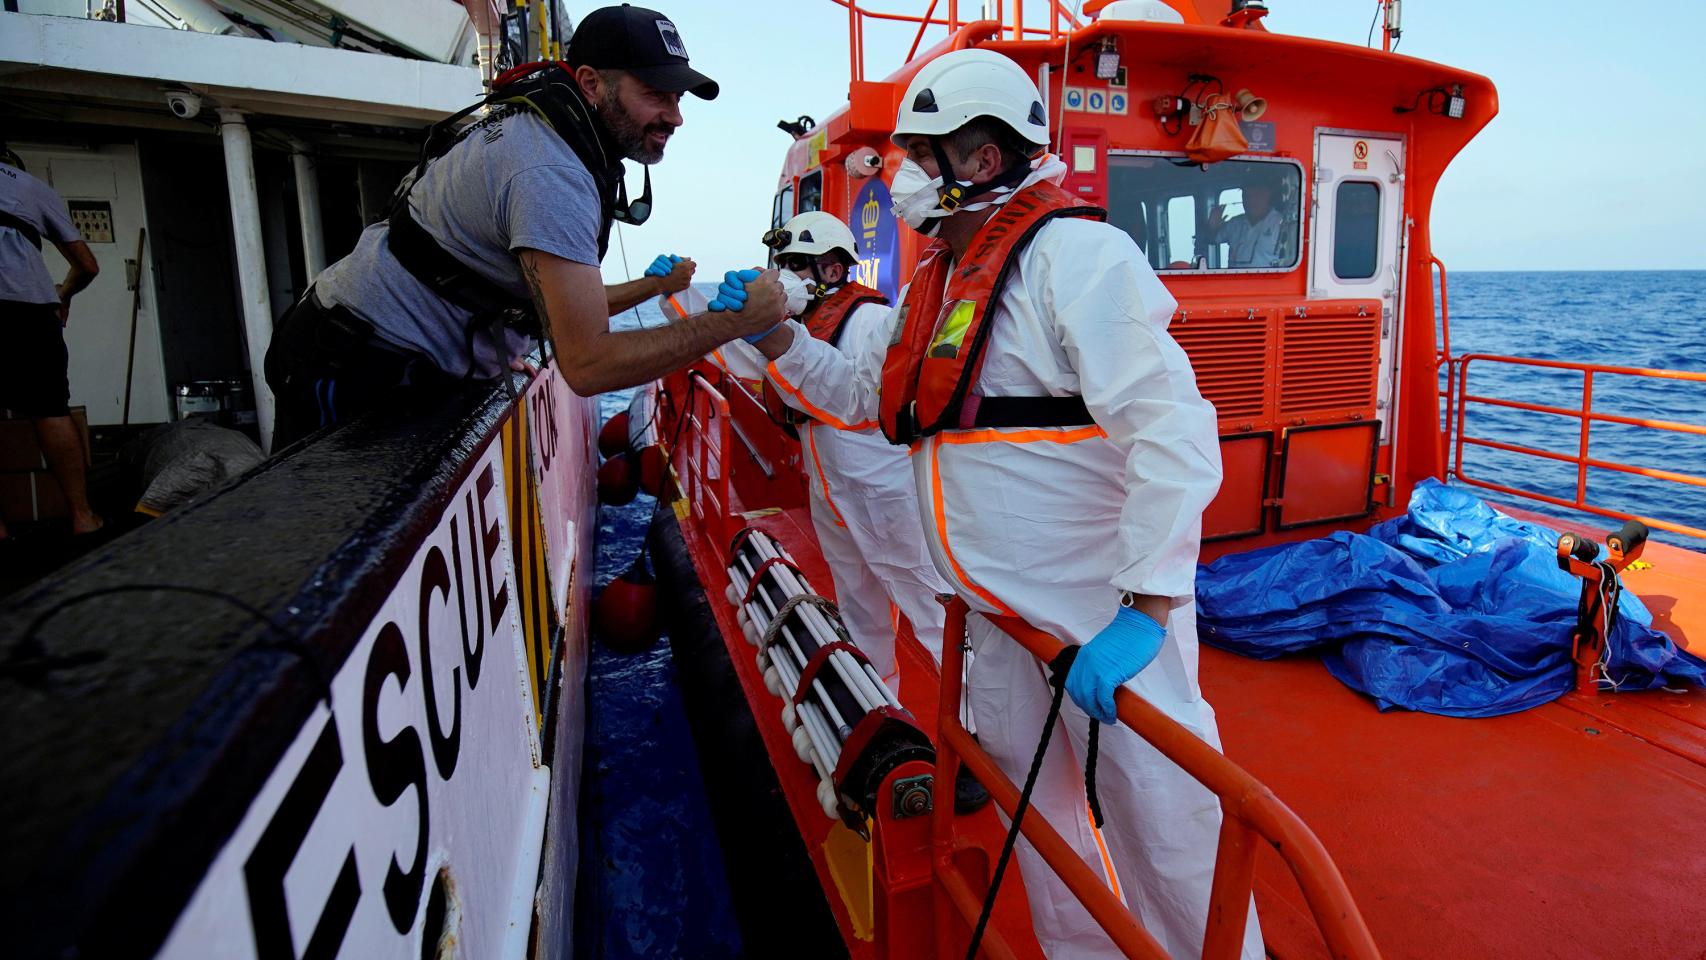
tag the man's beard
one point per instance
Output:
(630, 136)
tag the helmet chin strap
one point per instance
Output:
(820, 288)
(954, 194)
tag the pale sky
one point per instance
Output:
(1595, 162)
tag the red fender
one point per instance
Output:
(618, 481)
(652, 469)
(613, 436)
(625, 615)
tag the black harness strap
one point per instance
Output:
(23, 226)
(1025, 412)
(445, 275)
(548, 91)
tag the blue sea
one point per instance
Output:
(651, 882)
(1648, 319)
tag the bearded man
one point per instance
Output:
(495, 242)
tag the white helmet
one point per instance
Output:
(958, 87)
(812, 233)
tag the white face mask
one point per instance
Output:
(915, 198)
(796, 290)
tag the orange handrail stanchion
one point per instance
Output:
(954, 745)
(1445, 359)
(707, 487)
(1249, 808)
(1586, 415)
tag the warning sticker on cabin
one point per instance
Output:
(1117, 103)
(1096, 101)
(1359, 154)
(1072, 98)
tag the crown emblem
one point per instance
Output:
(869, 213)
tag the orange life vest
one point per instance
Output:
(825, 321)
(937, 351)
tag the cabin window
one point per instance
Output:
(783, 209)
(1356, 230)
(811, 192)
(1241, 215)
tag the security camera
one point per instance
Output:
(184, 104)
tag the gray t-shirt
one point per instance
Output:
(23, 273)
(510, 184)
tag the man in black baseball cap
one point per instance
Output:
(631, 65)
(644, 43)
(496, 242)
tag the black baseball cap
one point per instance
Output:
(643, 42)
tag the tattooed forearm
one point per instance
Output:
(530, 274)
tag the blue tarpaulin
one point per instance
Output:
(1452, 608)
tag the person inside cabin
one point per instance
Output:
(495, 242)
(1255, 238)
(863, 505)
(33, 313)
(1063, 457)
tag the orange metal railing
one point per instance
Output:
(704, 449)
(1461, 397)
(1251, 814)
(1058, 14)
(1444, 359)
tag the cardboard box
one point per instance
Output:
(17, 498)
(19, 450)
(30, 495)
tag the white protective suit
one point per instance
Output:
(864, 508)
(1048, 524)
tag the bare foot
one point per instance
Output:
(86, 523)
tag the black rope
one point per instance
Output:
(1058, 668)
(1090, 773)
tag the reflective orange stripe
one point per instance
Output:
(1107, 861)
(1021, 436)
(987, 436)
(678, 308)
(811, 442)
(942, 534)
(1015, 436)
(811, 408)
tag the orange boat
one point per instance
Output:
(1361, 833)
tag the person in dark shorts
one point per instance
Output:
(495, 243)
(33, 313)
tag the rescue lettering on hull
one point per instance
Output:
(422, 763)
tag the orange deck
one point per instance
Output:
(1563, 831)
(1569, 830)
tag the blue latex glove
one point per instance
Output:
(1112, 657)
(662, 265)
(753, 338)
(731, 293)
